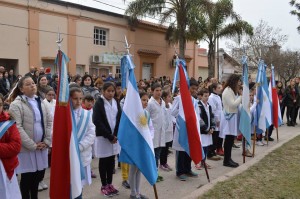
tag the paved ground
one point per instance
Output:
(171, 187)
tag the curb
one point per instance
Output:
(202, 190)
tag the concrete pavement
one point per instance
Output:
(171, 187)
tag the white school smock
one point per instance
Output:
(9, 189)
(169, 123)
(157, 116)
(103, 147)
(206, 139)
(215, 103)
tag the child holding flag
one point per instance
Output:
(135, 173)
(106, 117)
(183, 160)
(82, 119)
(229, 123)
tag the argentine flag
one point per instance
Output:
(245, 118)
(263, 108)
(134, 134)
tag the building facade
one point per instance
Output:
(93, 39)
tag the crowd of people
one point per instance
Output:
(25, 146)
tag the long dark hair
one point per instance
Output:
(17, 90)
(84, 77)
(232, 82)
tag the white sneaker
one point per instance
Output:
(40, 188)
(43, 184)
(259, 143)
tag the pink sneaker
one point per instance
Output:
(167, 166)
(112, 190)
(105, 191)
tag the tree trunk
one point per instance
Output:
(211, 59)
(182, 46)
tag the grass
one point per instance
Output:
(275, 176)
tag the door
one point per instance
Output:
(147, 70)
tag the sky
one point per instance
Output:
(275, 12)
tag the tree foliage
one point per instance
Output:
(217, 20)
(259, 45)
(176, 12)
(296, 11)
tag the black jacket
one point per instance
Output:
(204, 119)
(101, 122)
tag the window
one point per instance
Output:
(118, 72)
(100, 36)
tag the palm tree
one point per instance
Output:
(217, 20)
(178, 11)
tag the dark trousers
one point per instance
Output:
(29, 184)
(282, 109)
(42, 175)
(157, 152)
(183, 163)
(296, 110)
(290, 112)
(164, 153)
(229, 140)
(205, 150)
(270, 131)
(106, 168)
(217, 144)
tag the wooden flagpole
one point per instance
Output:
(254, 140)
(267, 134)
(205, 167)
(277, 134)
(155, 191)
(244, 149)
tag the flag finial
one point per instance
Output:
(127, 46)
(59, 39)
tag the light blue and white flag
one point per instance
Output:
(263, 109)
(245, 117)
(134, 133)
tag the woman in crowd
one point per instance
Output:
(281, 97)
(77, 79)
(34, 123)
(229, 119)
(87, 86)
(42, 86)
(290, 101)
(7, 82)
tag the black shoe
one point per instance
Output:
(233, 162)
(230, 164)
(270, 139)
(125, 184)
(235, 146)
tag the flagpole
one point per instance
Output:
(254, 140)
(244, 150)
(277, 134)
(155, 191)
(267, 134)
(206, 171)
